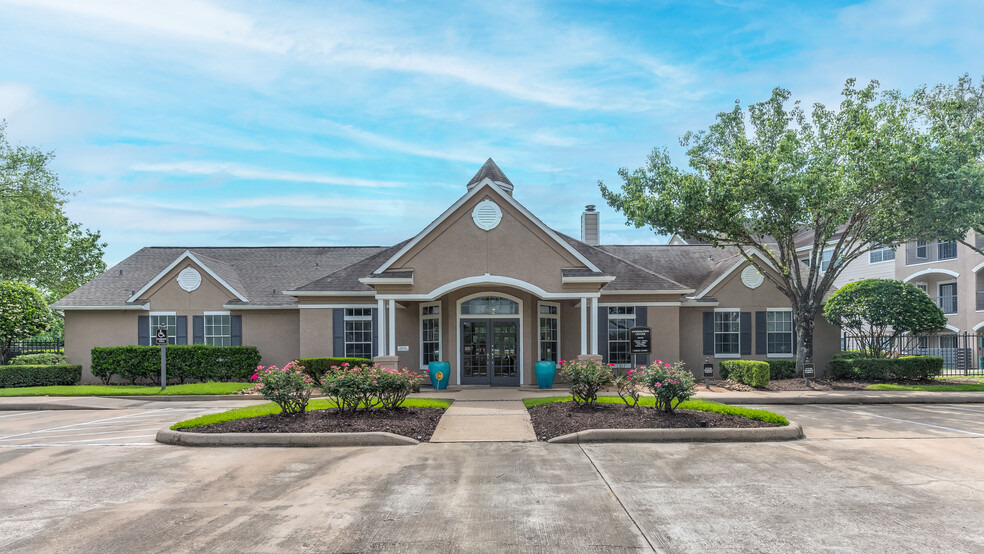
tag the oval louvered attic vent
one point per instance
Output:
(189, 279)
(487, 215)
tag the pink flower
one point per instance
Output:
(562, 362)
(254, 377)
(611, 365)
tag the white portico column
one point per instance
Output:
(584, 326)
(392, 328)
(381, 335)
(594, 326)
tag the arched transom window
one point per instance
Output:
(489, 305)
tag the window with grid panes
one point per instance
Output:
(358, 332)
(727, 329)
(620, 320)
(549, 333)
(167, 320)
(430, 333)
(779, 332)
(218, 330)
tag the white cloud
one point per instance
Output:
(246, 172)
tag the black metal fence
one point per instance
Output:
(35, 347)
(962, 353)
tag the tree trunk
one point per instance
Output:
(804, 342)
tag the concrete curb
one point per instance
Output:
(41, 406)
(190, 397)
(904, 397)
(183, 438)
(793, 431)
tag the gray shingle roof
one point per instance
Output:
(347, 278)
(629, 275)
(492, 171)
(261, 274)
(693, 266)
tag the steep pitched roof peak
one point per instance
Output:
(492, 171)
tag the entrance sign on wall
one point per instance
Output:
(641, 339)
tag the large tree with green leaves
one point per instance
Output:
(38, 243)
(23, 314)
(879, 311)
(878, 170)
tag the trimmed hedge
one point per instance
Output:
(750, 372)
(317, 367)
(782, 369)
(39, 375)
(198, 361)
(853, 365)
(43, 358)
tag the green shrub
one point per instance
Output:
(852, 365)
(39, 375)
(288, 387)
(586, 378)
(781, 369)
(43, 358)
(750, 372)
(198, 361)
(317, 367)
(670, 385)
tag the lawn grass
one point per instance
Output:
(928, 388)
(127, 390)
(271, 408)
(697, 405)
(976, 377)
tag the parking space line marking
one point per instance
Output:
(86, 423)
(85, 433)
(51, 444)
(905, 421)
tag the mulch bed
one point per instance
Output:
(799, 384)
(416, 423)
(562, 418)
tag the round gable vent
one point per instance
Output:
(751, 277)
(487, 215)
(189, 279)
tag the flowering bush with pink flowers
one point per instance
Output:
(289, 387)
(627, 386)
(367, 386)
(586, 378)
(671, 384)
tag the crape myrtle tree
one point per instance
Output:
(876, 171)
(23, 314)
(39, 245)
(878, 311)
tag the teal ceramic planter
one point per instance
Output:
(440, 374)
(545, 372)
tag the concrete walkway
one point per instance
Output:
(485, 415)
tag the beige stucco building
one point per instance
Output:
(486, 287)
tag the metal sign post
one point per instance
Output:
(708, 373)
(809, 371)
(162, 341)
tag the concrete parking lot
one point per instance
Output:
(874, 478)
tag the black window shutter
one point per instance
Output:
(143, 330)
(182, 321)
(642, 320)
(198, 329)
(745, 326)
(375, 332)
(602, 333)
(708, 333)
(236, 330)
(338, 332)
(761, 337)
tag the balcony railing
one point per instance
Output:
(920, 253)
(980, 300)
(948, 303)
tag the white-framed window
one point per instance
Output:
(358, 332)
(430, 333)
(948, 341)
(883, 254)
(620, 320)
(922, 250)
(923, 286)
(165, 319)
(727, 333)
(825, 258)
(549, 314)
(218, 328)
(779, 333)
(947, 299)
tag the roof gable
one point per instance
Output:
(187, 255)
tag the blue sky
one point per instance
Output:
(324, 123)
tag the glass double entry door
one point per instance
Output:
(490, 352)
